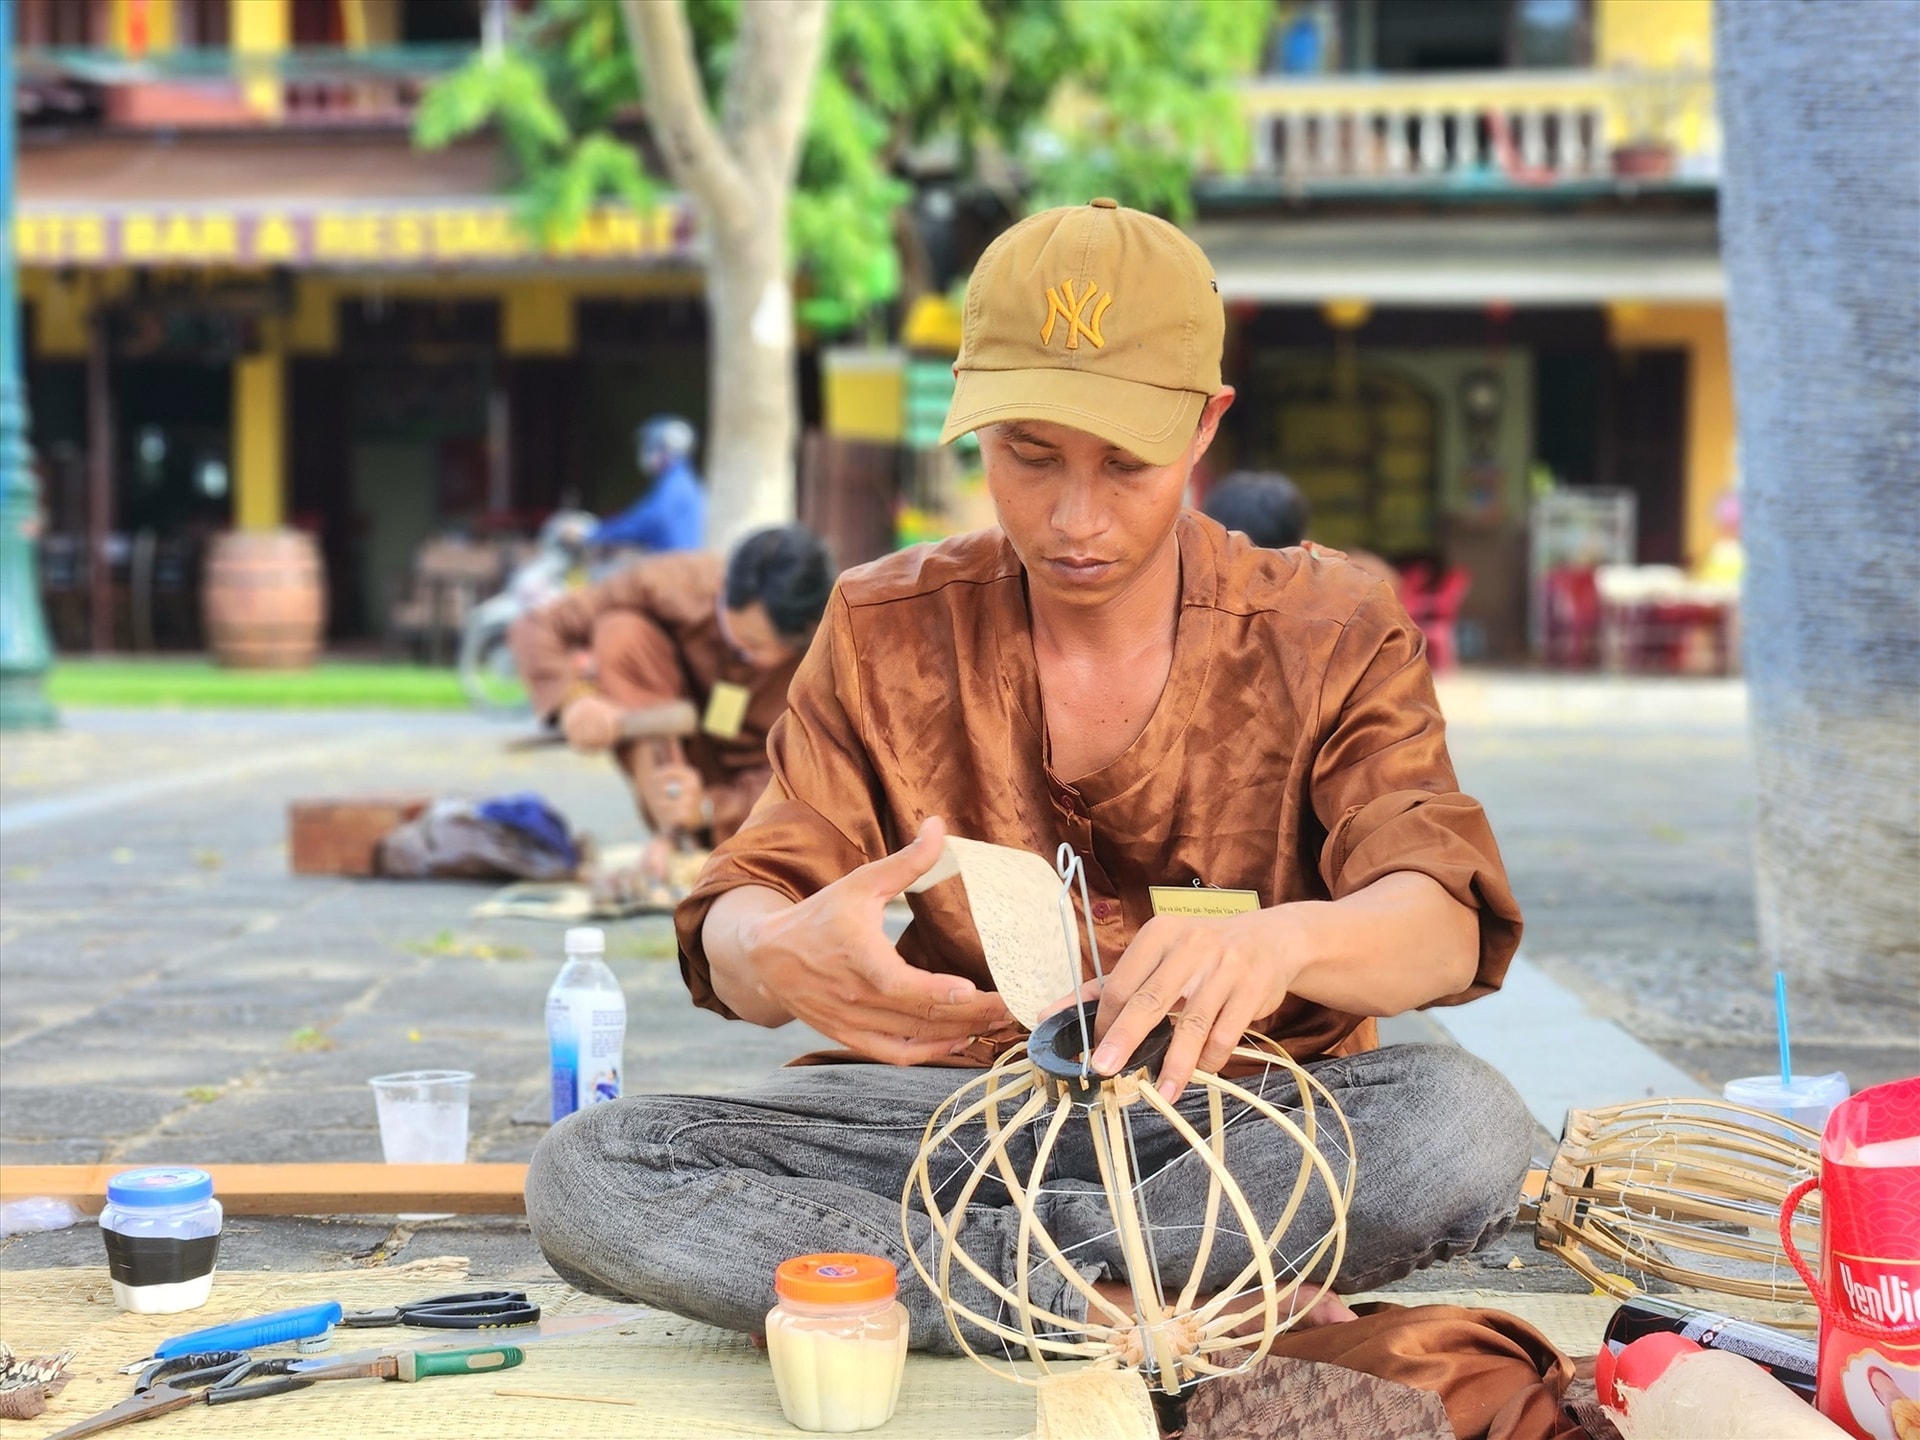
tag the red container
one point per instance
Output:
(1868, 1288)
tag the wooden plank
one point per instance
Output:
(348, 1189)
(352, 1189)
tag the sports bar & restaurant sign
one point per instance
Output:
(484, 232)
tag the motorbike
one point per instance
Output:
(488, 674)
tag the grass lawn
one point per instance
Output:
(200, 684)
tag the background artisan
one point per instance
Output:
(678, 627)
(1108, 670)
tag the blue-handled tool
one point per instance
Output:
(472, 1310)
(301, 1324)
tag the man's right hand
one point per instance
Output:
(590, 722)
(826, 960)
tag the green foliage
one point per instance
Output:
(1140, 98)
(880, 88)
(1075, 98)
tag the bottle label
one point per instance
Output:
(565, 1055)
(600, 1066)
(585, 1036)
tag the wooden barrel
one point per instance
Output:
(265, 599)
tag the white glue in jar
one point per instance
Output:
(838, 1341)
(162, 1228)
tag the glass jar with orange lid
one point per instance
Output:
(838, 1341)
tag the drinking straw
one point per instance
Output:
(1780, 1009)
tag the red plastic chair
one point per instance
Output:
(1571, 637)
(1435, 610)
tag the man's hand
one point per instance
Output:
(1398, 943)
(654, 856)
(1215, 975)
(590, 722)
(673, 795)
(826, 961)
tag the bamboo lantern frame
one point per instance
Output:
(1668, 1188)
(1175, 1339)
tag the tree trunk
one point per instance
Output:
(740, 174)
(753, 401)
(1820, 224)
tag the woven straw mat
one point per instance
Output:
(692, 1382)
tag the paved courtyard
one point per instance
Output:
(173, 993)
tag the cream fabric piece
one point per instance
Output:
(1014, 898)
(1094, 1405)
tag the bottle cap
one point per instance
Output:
(159, 1186)
(835, 1279)
(586, 940)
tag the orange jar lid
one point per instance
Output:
(835, 1279)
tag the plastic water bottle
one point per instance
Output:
(586, 1026)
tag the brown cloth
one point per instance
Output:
(1496, 1377)
(654, 629)
(1297, 751)
(1499, 1378)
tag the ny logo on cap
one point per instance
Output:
(1072, 309)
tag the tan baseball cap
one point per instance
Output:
(1094, 316)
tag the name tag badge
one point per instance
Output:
(726, 710)
(1201, 900)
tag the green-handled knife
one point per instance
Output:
(550, 1329)
(411, 1365)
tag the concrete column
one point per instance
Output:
(141, 27)
(259, 31)
(260, 438)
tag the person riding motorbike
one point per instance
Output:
(672, 515)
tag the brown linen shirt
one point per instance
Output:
(678, 595)
(1297, 751)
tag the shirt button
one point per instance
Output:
(1101, 909)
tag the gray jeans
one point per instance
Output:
(689, 1202)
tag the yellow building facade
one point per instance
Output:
(274, 301)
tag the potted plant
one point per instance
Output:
(1650, 103)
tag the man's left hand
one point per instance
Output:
(673, 796)
(1214, 975)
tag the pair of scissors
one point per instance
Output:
(471, 1310)
(225, 1376)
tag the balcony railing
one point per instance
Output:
(222, 88)
(1541, 128)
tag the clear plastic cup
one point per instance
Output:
(1804, 1099)
(423, 1119)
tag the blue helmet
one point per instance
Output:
(663, 442)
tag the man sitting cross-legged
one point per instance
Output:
(1176, 704)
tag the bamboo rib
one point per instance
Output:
(1217, 1147)
(1178, 1342)
(953, 1249)
(949, 1234)
(1311, 1152)
(1029, 1215)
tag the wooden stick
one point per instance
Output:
(350, 1189)
(562, 1395)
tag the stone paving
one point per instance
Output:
(172, 993)
(1625, 810)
